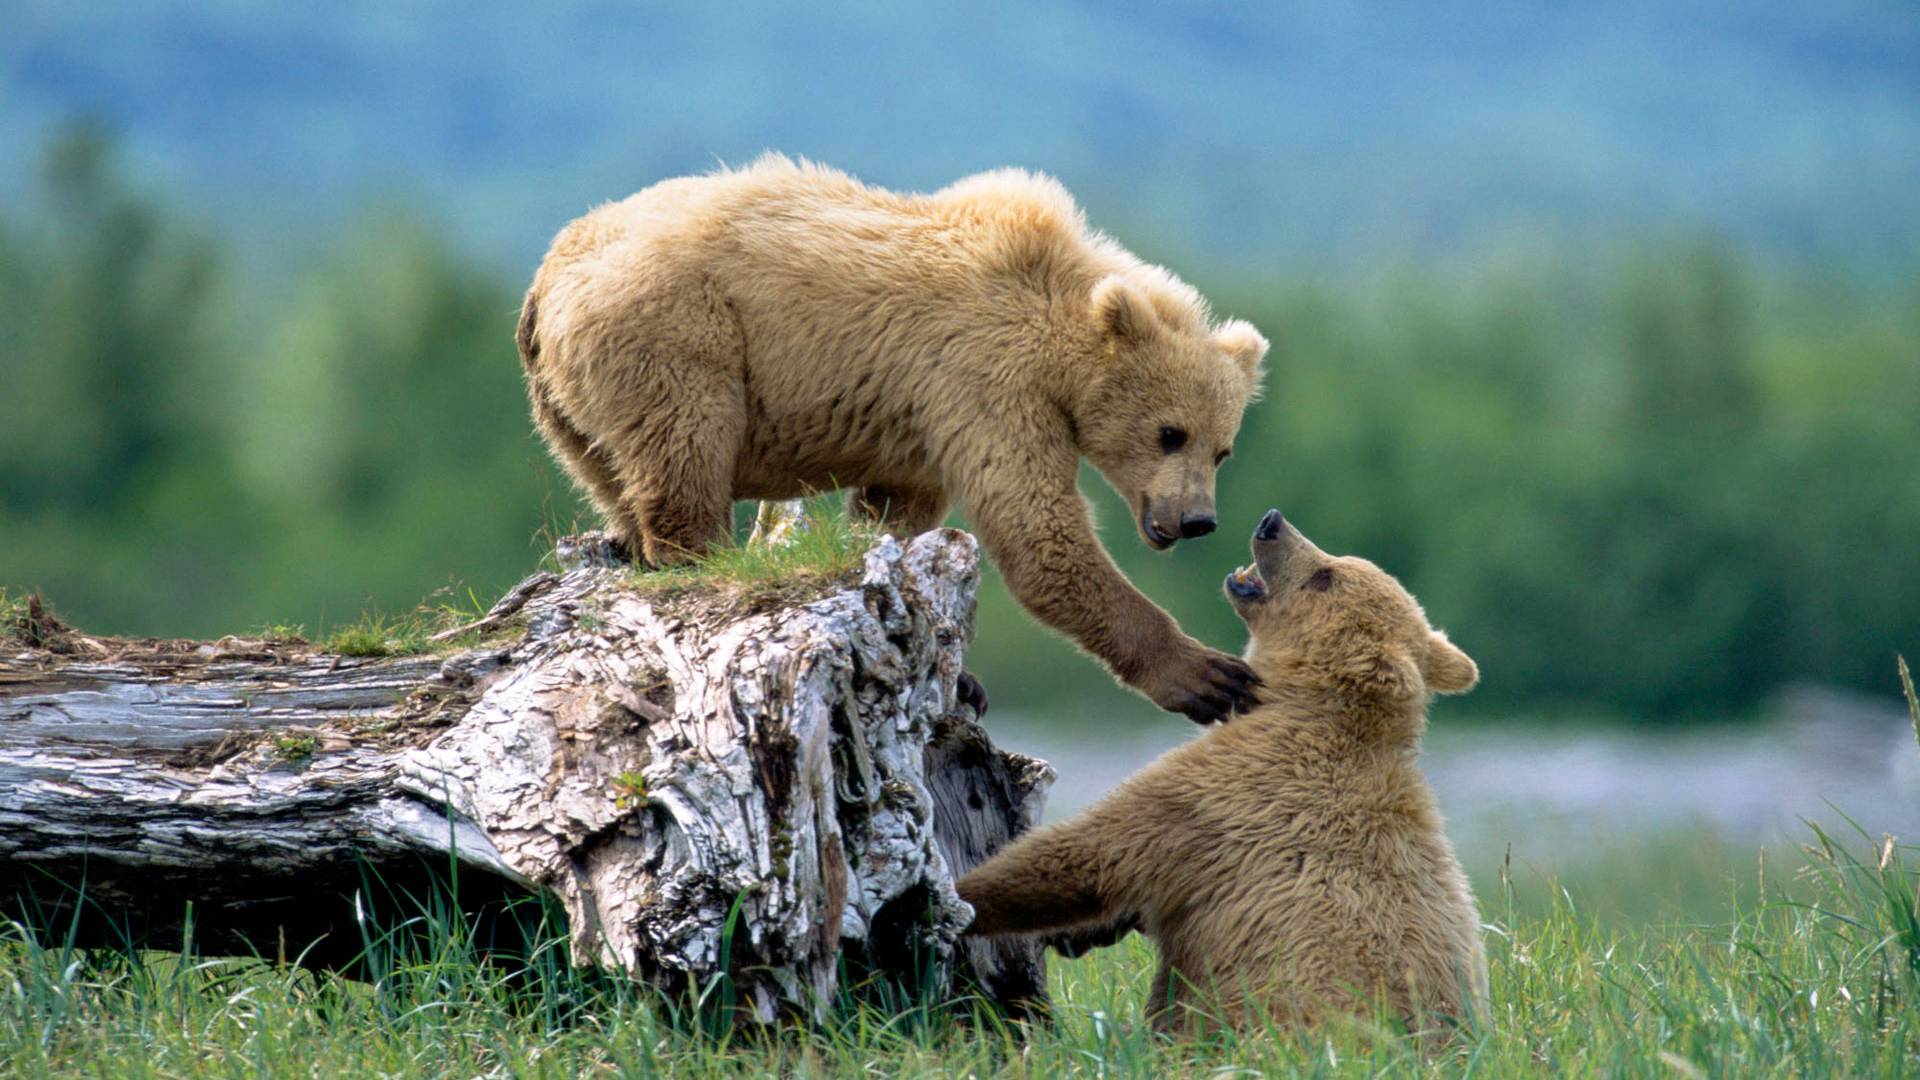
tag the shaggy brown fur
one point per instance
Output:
(784, 329)
(1293, 862)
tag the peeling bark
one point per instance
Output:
(690, 776)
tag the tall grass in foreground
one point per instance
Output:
(1822, 983)
(1814, 975)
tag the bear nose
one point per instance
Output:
(1192, 525)
(1270, 526)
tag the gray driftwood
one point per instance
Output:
(779, 780)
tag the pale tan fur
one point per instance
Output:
(1292, 863)
(782, 329)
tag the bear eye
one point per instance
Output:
(1321, 581)
(1172, 439)
(1221, 456)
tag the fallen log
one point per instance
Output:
(769, 789)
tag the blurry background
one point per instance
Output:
(1600, 325)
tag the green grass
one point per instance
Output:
(18, 620)
(827, 546)
(1621, 880)
(410, 634)
(1782, 967)
(295, 747)
(282, 633)
(11, 608)
(1816, 976)
(376, 635)
(1913, 699)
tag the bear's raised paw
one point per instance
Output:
(1206, 686)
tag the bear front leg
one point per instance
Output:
(1047, 880)
(1204, 685)
(1042, 540)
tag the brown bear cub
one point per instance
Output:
(783, 329)
(1292, 863)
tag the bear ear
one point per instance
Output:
(1121, 310)
(1245, 345)
(1388, 673)
(1449, 671)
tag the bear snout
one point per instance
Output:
(1275, 545)
(1270, 526)
(1192, 525)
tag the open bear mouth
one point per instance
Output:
(1247, 584)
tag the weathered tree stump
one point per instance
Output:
(776, 780)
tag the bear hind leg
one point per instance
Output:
(588, 465)
(675, 469)
(1163, 1000)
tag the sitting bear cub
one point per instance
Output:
(1291, 863)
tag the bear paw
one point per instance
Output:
(1206, 686)
(968, 691)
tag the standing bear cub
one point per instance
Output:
(782, 329)
(1292, 863)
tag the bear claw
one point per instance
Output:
(968, 691)
(1228, 688)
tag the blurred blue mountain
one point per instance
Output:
(1248, 137)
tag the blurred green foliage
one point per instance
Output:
(187, 452)
(1657, 480)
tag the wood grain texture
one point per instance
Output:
(779, 781)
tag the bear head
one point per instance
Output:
(1339, 626)
(1161, 408)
